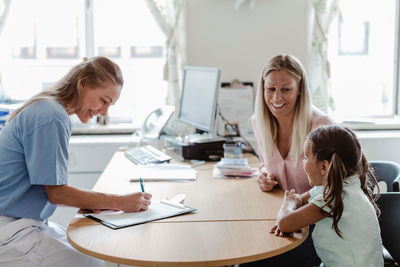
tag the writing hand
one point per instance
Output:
(266, 182)
(134, 202)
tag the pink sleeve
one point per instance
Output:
(319, 119)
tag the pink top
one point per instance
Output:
(287, 174)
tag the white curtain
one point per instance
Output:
(325, 11)
(4, 10)
(168, 14)
(239, 3)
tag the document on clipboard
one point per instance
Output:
(163, 172)
(157, 210)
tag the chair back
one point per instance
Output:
(388, 172)
(389, 221)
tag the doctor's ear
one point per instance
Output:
(82, 84)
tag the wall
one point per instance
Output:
(381, 145)
(239, 42)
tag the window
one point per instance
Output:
(43, 39)
(364, 67)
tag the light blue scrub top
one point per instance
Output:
(33, 153)
(361, 245)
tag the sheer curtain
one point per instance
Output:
(169, 16)
(325, 12)
(4, 10)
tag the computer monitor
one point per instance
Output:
(199, 98)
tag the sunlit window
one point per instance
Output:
(43, 39)
(362, 53)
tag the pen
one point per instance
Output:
(141, 184)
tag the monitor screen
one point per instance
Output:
(199, 97)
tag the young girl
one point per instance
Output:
(340, 203)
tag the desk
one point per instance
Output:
(231, 224)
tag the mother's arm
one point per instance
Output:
(72, 196)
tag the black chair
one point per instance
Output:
(389, 221)
(388, 172)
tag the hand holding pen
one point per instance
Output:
(134, 202)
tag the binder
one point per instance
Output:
(157, 210)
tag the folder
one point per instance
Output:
(157, 210)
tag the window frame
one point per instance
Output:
(396, 69)
(86, 32)
(384, 122)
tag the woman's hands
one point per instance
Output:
(134, 202)
(266, 182)
(128, 203)
(90, 201)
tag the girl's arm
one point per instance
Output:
(295, 213)
(304, 198)
(74, 197)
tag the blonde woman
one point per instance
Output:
(34, 167)
(283, 117)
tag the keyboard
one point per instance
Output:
(143, 155)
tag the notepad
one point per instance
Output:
(157, 211)
(163, 172)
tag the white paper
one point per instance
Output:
(236, 106)
(162, 172)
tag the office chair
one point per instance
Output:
(389, 222)
(388, 172)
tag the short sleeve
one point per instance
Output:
(317, 198)
(320, 119)
(46, 152)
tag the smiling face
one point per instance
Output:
(281, 92)
(314, 169)
(96, 100)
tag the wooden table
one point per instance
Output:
(231, 224)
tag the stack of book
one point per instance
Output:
(233, 167)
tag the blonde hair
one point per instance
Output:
(266, 124)
(95, 71)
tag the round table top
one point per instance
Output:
(231, 225)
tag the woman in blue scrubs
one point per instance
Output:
(34, 167)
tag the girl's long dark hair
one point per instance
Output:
(341, 148)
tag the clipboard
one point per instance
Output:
(157, 210)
